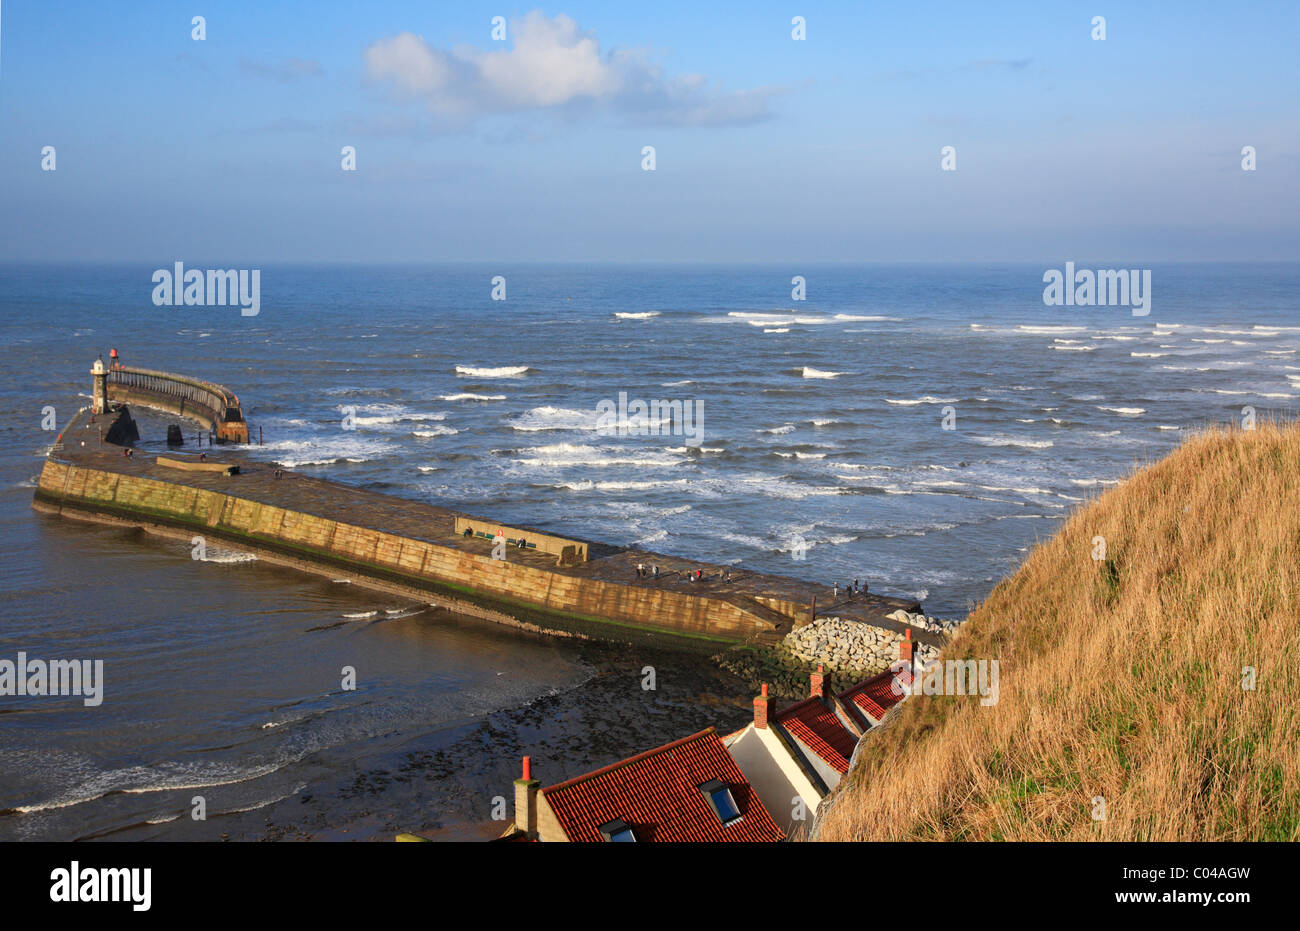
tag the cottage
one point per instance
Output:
(872, 698)
(687, 791)
(796, 757)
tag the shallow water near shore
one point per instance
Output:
(822, 425)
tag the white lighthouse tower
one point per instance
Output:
(99, 402)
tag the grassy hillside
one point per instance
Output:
(1121, 678)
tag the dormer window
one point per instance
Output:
(718, 795)
(617, 832)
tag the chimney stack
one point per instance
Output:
(818, 680)
(760, 708)
(526, 800)
(905, 647)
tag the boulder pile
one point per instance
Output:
(857, 647)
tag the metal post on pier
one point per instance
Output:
(259, 436)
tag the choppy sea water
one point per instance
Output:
(822, 436)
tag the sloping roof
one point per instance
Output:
(657, 794)
(875, 696)
(817, 728)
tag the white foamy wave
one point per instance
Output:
(324, 451)
(810, 372)
(759, 319)
(554, 418)
(470, 396)
(142, 780)
(372, 415)
(1148, 355)
(436, 431)
(641, 315)
(1019, 489)
(1012, 441)
(925, 399)
(561, 418)
(560, 455)
(794, 491)
(1124, 411)
(505, 371)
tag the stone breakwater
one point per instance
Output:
(935, 625)
(852, 646)
(544, 582)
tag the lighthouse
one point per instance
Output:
(99, 397)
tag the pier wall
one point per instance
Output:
(386, 556)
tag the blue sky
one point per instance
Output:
(767, 149)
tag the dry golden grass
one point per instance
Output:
(1122, 678)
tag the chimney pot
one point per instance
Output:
(528, 767)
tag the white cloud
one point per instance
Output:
(554, 64)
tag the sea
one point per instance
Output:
(918, 427)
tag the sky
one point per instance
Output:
(767, 149)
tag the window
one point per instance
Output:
(617, 832)
(718, 795)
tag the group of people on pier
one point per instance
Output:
(851, 589)
(692, 575)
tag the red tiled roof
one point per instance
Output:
(875, 696)
(657, 795)
(817, 728)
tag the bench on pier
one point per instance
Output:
(566, 552)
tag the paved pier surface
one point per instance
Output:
(81, 445)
